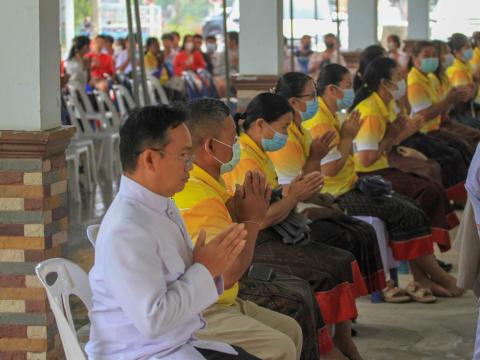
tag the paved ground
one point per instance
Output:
(444, 330)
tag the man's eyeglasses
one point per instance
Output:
(188, 159)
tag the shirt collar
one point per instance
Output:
(325, 111)
(248, 143)
(133, 190)
(198, 174)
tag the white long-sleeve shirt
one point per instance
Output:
(147, 294)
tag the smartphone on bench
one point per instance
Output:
(260, 272)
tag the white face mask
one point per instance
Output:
(400, 91)
(189, 46)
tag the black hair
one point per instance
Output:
(331, 74)
(147, 127)
(457, 41)
(291, 84)
(378, 70)
(175, 33)
(439, 45)
(211, 37)
(167, 36)
(109, 38)
(185, 38)
(417, 49)
(369, 54)
(233, 36)
(205, 118)
(396, 39)
(149, 42)
(476, 38)
(198, 36)
(78, 43)
(265, 105)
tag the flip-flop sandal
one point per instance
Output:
(395, 295)
(420, 294)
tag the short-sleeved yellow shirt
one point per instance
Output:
(441, 87)
(475, 62)
(252, 157)
(460, 73)
(374, 115)
(202, 206)
(289, 160)
(422, 94)
(323, 122)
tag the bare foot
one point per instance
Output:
(435, 288)
(335, 354)
(453, 288)
(347, 347)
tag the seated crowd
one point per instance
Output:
(248, 235)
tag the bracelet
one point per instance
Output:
(252, 222)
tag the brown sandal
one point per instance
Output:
(395, 295)
(420, 294)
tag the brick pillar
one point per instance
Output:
(33, 227)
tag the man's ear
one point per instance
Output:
(147, 160)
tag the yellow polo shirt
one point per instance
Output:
(441, 87)
(252, 157)
(202, 206)
(460, 73)
(374, 115)
(151, 66)
(475, 62)
(422, 94)
(323, 122)
(289, 160)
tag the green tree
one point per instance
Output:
(83, 8)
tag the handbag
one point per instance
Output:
(374, 185)
(294, 229)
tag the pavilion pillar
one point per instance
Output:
(33, 186)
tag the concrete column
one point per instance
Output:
(30, 65)
(33, 175)
(261, 37)
(418, 19)
(362, 23)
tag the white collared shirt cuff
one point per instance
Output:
(209, 287)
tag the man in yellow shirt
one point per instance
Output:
(205, 204)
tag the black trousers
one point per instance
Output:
(215, 355)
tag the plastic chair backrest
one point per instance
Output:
(108, 106)
(158, 88)
(92, 232)
(125, 100)
(77, 91)
(70, 280)
(78, 117)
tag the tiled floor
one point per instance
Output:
(444, 330)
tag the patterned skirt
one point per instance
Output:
(333, 273)
(292, 296)
(409, 230)
(428, 196)
(453, 165)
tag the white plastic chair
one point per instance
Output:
(126, 103)
(78, 94)
(70, 280)
(73, 164)
(156, 91)
(109, 139)
(92, 232)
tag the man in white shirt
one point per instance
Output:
(331, 55)
(149, 283)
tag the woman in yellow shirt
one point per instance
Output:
(409, 228)
(302, 154)
(154, 62)
(264, 128)
(377, 134)
(462, 74)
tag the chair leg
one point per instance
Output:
(88, 170)
(109, 159)
(75, 181)
(93, 163)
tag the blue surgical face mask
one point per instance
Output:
(229, 166)
(401, 90)
(429, 65)
(467, 54)
(312, 108)
(276, 143)
(347, 101)
(448, 60)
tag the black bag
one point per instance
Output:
(294, 230)
(374, 185)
